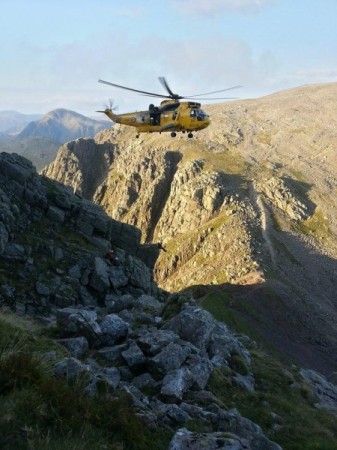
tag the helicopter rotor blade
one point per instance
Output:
(170, 92)
(134, 90)
(161, 96)
(214, 92)
(167, 87)
(211, 98)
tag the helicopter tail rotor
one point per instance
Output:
(109, 107)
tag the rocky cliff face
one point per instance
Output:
(85, 170)
(52, 267)
(169, 196)
(249, 201)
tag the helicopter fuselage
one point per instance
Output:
(170, 116)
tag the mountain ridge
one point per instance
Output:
(12, 122)
(62, 125)
(40, 139)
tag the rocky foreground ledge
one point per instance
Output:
(121, 332)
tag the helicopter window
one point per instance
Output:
(169, 107)
(201, 114)
(193, 113)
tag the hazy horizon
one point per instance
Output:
(54, 54)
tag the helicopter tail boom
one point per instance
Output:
(112, 116)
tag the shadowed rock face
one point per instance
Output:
(57, 241)
(252, 197)
(122, 332)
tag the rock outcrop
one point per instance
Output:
(85, 170)
(275, 190)
(112, 319)
(172, 200)
(324, 392)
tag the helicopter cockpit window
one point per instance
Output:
(201, 115)
(193, 113)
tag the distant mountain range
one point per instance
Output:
(13, 122)
(38, 137)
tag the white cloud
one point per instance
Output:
(66, 75)
(213, 7)
(69, 79)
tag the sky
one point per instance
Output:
(54, 52)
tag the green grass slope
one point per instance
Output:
(40, 412)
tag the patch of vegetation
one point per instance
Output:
(220, 305)
(116, 177)
(22, 333)
(298, 130)
(174, 305)
(229, 161)
(281, 405)
(220, 277)
(71, 237)
(183, 244)
(298, 175)
(12, 282)
(197, 426)
(40, 412)
(237, 363)
(316, 225)
(216, 304)
(264, 138)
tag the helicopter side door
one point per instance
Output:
(193, 117)
(143, 118)
(169, 115)
(154, 115)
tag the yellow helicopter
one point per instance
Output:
(171, 116)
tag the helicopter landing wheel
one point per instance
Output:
(173, 134)
(137, 136)
(190, 135)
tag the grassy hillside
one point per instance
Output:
(282, 403)
(38, 411)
